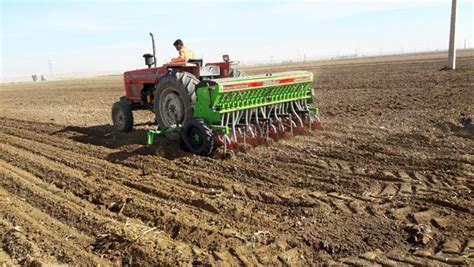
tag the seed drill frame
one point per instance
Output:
(253, 107)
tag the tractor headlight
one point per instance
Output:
(226, 58)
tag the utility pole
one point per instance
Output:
(452, 38)
(465, 47)
(271, 59)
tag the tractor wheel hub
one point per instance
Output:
(172, 109)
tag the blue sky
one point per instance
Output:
(111, 36)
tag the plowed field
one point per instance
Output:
(388, 180)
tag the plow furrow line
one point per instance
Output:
(54, 208)
(88, 164)
(21, 124)
(59, 205)
(43, 226)
(318, 180)
(393, 152)
(182, 173)
(80, 183)
(143, 206)
(18, 247)
(55, 141)
(109, 171)
(166, 168)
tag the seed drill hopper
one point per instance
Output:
(247, 111)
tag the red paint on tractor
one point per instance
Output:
(136, 80)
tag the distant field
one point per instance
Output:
(387, 182)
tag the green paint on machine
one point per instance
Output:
(229, 103)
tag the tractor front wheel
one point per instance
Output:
(122, 116)
(197, 137)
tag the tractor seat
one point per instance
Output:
(196, 61)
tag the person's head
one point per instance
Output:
(178, 44)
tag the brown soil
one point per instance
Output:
(389, 179)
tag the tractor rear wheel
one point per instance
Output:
(197, 137)
(174, 99)
(122, 116)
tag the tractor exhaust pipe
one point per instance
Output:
(154, 50)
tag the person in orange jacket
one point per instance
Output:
(184, 52)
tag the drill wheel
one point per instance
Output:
(197, 137)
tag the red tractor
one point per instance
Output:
(168, 91)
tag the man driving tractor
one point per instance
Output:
(184, 53)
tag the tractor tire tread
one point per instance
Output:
(185, 83)
(208, 145)
(127, 112)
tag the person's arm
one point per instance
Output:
(181, 58)
(182, 54)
